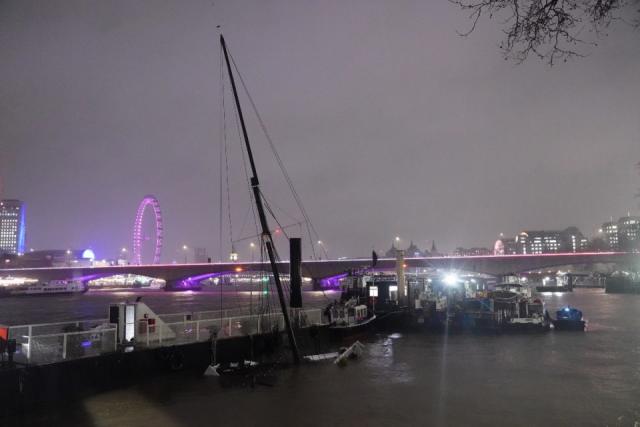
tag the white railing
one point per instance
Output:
(50, 348)
(188, 331)
(53, 342)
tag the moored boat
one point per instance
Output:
(53, 287)
(348, 318)
(569, 319)
(508, 308)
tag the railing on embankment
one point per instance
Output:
(54, 342)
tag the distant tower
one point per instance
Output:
(434, 250)
(12, 226)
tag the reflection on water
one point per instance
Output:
(557, 378)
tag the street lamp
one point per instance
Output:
(324, 249)
(185, 248)
(252, 246)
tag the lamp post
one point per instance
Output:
(324, 249)
(185, 248)
(252, 247)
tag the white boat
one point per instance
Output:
(349, 318)
(53, 287)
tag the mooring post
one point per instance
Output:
(295, 276)
(401, 282)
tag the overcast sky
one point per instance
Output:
(388, 122)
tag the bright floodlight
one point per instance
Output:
(450, 279)
(88, 254)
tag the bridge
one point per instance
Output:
(325, 272)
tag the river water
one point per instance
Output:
(558, 378)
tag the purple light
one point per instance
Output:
(85, 344)
(137, 230)
(332, 281)
(193, 282)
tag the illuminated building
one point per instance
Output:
(629, 233)
(610, 231)
(623, 235)
(505, 246)
(12, 226)
(551, 241)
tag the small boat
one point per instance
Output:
(569, 319)
(348, 318)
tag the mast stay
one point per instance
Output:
(266, 237)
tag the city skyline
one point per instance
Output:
(390, 160)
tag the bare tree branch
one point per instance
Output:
(549, 29)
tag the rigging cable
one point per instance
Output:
(223, 138)
(296, 197)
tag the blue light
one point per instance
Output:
(88, 254)
(566, 309)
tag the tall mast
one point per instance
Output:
(267, 239)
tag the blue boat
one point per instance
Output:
(569, 319)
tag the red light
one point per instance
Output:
(404, 265)
(277, 230)
(238, 269)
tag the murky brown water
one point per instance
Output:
(570, 379)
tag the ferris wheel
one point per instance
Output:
(138, 234)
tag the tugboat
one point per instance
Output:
(569, 319)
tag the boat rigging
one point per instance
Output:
(266, 237)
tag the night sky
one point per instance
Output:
(389, 123)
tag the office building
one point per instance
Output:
(12, 226)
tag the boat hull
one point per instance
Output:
(338, 333)
(569, 325)
(554, 289)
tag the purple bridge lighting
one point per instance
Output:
(185, 276)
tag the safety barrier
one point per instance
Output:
(50, 348)
(188, 331)
(53, 342)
